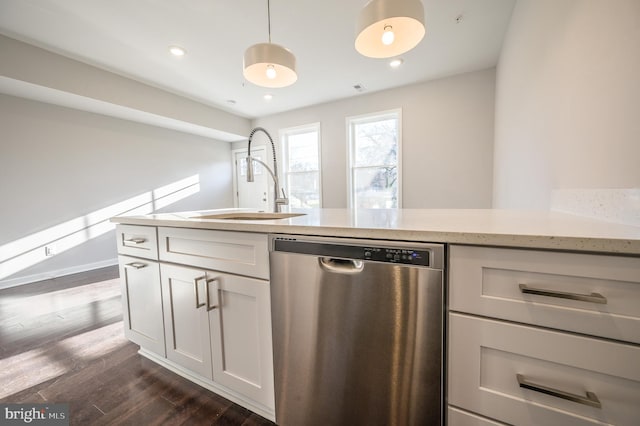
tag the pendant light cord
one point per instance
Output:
(269, 18)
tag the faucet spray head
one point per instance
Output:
(249, 169)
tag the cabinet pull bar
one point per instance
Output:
(591, 399)
(134, 241)
(195, 285)
(135, 265)
(217, 303)
(593, 297)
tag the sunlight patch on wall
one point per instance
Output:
(20, 254)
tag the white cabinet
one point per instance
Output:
(142, 303)
(186, 318)
(533, 376)
(141, 288)
(240, 324)
(241, 253)
(460, 417)
(592, 294)
(138, 241)
(520, 347)
(219, 326)
(205, 307)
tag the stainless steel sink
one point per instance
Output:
(248, 216)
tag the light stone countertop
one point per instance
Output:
(506, 228)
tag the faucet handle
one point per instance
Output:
(284, 200)
(281, 201)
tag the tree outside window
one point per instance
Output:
(374, 142)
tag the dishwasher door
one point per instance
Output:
(356, 341)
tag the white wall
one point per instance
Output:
(567, 100)
(39, 74)
(447, 140)
(59, 164)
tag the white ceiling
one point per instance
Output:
(131, 37)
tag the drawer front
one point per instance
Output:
(457, 417)
(486, 356)
(537, 287)
(239, 253)
(138, 241)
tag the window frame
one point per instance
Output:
(350, 128)
(283, 135)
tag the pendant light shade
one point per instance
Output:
(269, 65)
(389, 28)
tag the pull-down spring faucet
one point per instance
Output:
(277, 200)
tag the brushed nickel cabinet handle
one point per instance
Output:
(134, 241)
(217, 302)
(195, 285)
(593, 297)
(135, 265)
(591, 399)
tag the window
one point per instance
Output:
(301, 147)
(374, 160)
(242, 164)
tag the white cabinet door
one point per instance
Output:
(185, 318)
(142, 303)
(241, 336)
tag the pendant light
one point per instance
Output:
(389, 28)
(268, 64)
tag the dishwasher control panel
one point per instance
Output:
(402, 255)
(396, 255)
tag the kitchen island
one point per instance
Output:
(538, 304)
(507, 228)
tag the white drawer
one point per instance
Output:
(239, 253)
(457, 417)
(487, 281)
(138, 241)
(485, 357)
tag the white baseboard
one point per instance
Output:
(13, 282)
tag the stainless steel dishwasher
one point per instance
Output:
(357, 331)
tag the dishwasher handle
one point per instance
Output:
(341, 266)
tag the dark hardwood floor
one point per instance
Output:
(62, 341)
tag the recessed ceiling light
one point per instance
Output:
(268, 97)
(177, 51)
(395, 63)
